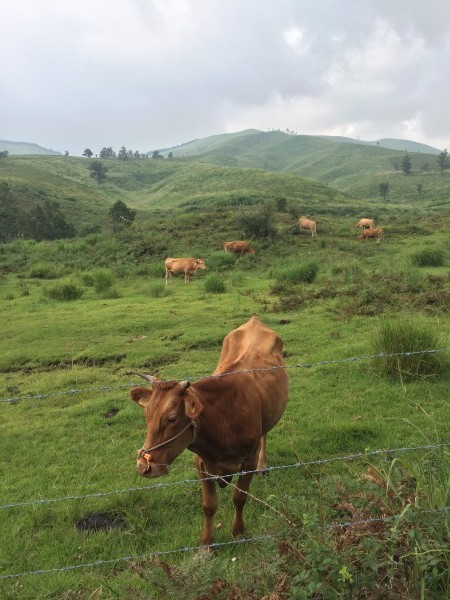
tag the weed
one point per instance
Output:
(428, 257)
(64, 291)
(214, 285)
(305, 273)
(159, 290)
(399, 340)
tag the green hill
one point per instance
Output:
(26, 148)
(352, 167)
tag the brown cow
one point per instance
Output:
(366, 223)
(240, 247)
(188, 266)
(371, 233)
(305, 223)
(222, 418)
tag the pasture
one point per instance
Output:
(357, 506)
(70, 431)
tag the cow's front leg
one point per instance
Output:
(209, 504)
(239, 499)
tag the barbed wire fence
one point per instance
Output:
(198, 377)
(160, 553)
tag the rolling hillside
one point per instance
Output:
(21, 148)
(354, 167)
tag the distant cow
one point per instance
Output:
(366, 223)
(371, 233)
(223, 419)
(239, 247)
(305, 223)
(188, 266)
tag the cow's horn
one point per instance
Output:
(148, 378)
(185, 384)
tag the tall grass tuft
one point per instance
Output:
(221, 261)
(428, 257)
(45, 270)
(159, 290)
(103, 280)
(305, 273)
(399, 338)
(214, 285)
(64, 291)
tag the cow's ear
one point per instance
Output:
(192, 406)
(141, 395)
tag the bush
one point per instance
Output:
(103, 280)
(428, 258)
(257, 222)
(396, 339)
(305, 273)
(159, 290)
(214, 285)
(219, 261)
(64, 291)
(44, 270)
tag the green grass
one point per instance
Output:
(60, 442)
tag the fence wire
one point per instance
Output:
(296, 465)
(158, 553)
(209, 376)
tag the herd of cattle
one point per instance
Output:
(223, 418)
(188, 266)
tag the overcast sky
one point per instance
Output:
(149, 74)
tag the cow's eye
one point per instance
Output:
(172, 419)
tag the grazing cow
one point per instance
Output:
(371, 233)
(366, 223)
(188, 266)
(239, 247)
(223, 418)
(305, 223)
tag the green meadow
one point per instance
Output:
(358, 507)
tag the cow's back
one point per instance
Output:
(255, 348)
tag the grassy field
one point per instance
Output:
(82, 442)
(77, 316)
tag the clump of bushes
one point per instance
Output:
(214, 285)
(64, 291)
(221, 261)
(102, 281)
(402, 341)
(305, 273)
(428, 257)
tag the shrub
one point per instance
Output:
(257, 221)
(219, 261)
(214, 285)
(428, 257)
(64, 291)
(159, 290)
(103, 280)
(305, 273)
(396, 339)
(44, 270)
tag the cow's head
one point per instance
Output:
(171, 408)
(200, 263)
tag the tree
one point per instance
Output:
(88, 153)
(419, 189)
(121, 216)
(66, 153)
(170, 155)
(443, 161)
(406, 164)
(123, 154)
(46, 222)
(107, 153)
(98, 171)
(4, 154)
(156, 155)
(383, 189)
